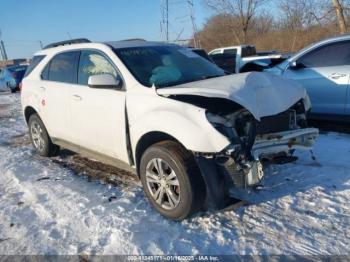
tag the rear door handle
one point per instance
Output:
(43, 89)
(77, 98)
(337, 75)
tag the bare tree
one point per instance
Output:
(339, 10)
(298, 17)
(292, 25)
(239, 12)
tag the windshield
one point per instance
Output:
(165, 66)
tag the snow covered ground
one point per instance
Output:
(46, 208)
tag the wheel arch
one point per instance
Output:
(28, 111)
(148, 140)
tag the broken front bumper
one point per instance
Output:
(269, 145)
(246, 173)
(223, 173)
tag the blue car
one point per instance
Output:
(323, 69)
(11, 77)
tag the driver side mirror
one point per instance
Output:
(295, 65)
(106, 81)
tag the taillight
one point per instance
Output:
(20, 86)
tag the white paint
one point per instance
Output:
(263, 94)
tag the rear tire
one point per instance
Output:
(172, 181)
(9, 87)
(40, 138)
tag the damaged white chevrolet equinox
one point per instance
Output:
(190, 132)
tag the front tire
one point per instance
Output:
(171, 180)
(40, 138)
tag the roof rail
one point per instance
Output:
(133, 39)
(68, 42)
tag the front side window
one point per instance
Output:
(62, 68)
(93, 63)
(337, 54)
(165, 66)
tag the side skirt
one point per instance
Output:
(94, 155)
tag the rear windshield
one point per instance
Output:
(17, 68)
(225, 61)
(248, 51)
(35, 61)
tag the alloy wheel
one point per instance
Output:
(163, 183)
(37, 136)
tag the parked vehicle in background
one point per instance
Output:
(190, 132)
(240, 50)
(202, 53)
(245, 57)
(323, 68)
(227, 62)
(11, 77)
(267, 53)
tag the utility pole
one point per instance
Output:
(164, 6)
(2, 48)
(167, 20)
(193, 21)
(1, 53)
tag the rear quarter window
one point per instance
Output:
(33, 63)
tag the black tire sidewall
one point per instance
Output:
(46, 149)
(184, 208)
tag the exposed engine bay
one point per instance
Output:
(254, 142)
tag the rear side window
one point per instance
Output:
(230, 51)
(35, 61)
(337, 54)
(62, 68)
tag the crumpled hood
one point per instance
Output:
(262, 94)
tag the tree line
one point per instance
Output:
(282, 25)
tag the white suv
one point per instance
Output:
(189, 131)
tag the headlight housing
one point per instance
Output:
(221, 124)
(307, 103)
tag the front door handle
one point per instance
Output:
(77, 98)
(337, 75)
